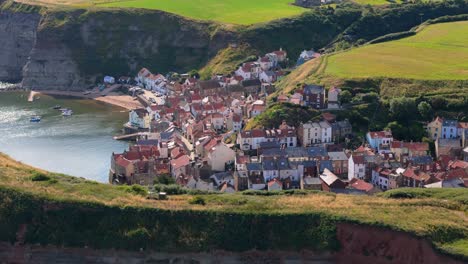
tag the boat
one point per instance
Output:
(67, 112)
(57, 107)
(35, 119)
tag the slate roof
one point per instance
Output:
(313, 89)
(254, 166)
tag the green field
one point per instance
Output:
(242, 12)
(438, 52)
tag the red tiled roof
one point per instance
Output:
(181, 161)
(236, 118)
(273, 181)
(463, 125)
(280, 52)
(457, 174)
(360, 185)
(455, 164)
(413, 146)
(210, 144)
(416, 174)
(254, 133)
(357, 159)
(381, 134)
(328, 116)
(123, 162)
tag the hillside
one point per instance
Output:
(46, 202)
(436, 52)
(430, 63)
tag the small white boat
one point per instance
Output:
(67, 112)
(35, 119)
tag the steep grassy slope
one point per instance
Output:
(437, 52)
(69, 211)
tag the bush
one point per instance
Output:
(392, 36)
(164, 179)
(170, 189)
(134, 189)
(197, 200)
(37, 176)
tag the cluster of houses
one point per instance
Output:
(450, 136)
(285, 158)
(196, 136)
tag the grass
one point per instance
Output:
(437, 52)
(418, 215)
(242, 12)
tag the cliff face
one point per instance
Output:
(17, 37)
(70, 50)
(359, 244)
(365, 244)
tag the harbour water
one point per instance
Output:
(79, 145)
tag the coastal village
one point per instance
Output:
(193, 131)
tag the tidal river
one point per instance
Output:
(79, 145)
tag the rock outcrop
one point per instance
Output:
(17, 38)
(71, 50)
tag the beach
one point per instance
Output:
(109, 97)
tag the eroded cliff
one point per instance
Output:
(17, 37)
(72, 49)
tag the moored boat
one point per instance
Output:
(35, 119)
(57, 107)
(67, 112)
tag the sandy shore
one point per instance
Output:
(124, 101)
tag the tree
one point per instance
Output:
(370, 97)
(345, 97)
(403, 109)
(425, 110)
(194, 74)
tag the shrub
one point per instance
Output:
(197, 200)
(37, 176)
(134, 189)
(164, 179)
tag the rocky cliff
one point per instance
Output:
(72, 49)
(17, 37)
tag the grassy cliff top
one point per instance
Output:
(439, 215)
(242, 12)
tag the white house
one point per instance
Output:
(356, 167)
(265, 63)
(309, 133)
(267, 77)
(219, 155)
(140, 118)
(250, 139)
(326, 132)
(141, 76)
(217, 121)
(380, 140)
(243, 72)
